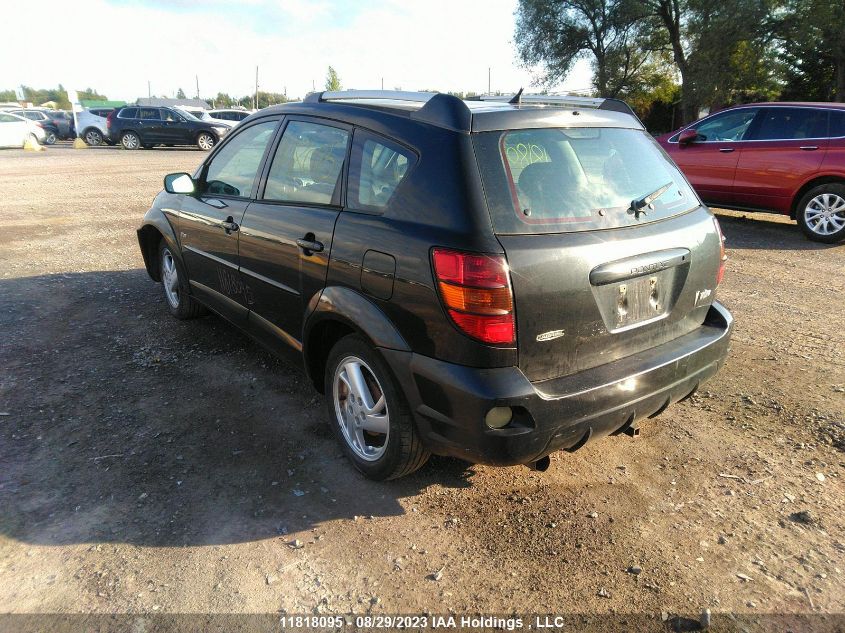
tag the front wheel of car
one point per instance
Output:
(93, 137)
(180, 303)
(369, 414)
(205, 141)
(50, 138)
(821, 213)
(130, 140)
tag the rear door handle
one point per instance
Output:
(809, 148)
(726, 150)
(310, 246)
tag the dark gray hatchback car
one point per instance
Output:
(491, 281)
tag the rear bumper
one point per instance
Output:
(450, 401)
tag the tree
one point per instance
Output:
(557, 33)
(722, 50)
(180, 94)
(8, 95)
(333, 81)
(813, 50)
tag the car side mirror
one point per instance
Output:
(178, 183)
(688, 136)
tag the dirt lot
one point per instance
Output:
(157, 466)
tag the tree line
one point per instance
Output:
(681, 56)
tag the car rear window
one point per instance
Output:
(556, 180)
(128, 113)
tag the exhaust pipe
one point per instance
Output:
(541, 465)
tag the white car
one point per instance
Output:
(15, 130)
(232, 116)
(92, 125)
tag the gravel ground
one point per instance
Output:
(157, 466)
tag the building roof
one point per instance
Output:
(101, 103)
(173, 103)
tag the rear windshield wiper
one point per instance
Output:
(638, 204)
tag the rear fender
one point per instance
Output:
(348, 311)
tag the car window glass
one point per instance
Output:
(307, 164)
(129, 113)
(379, 167)
(232, 170)
(148, 113)
(170, 115)
(790, 124)
(837, 123)
(6, 118)
(730, 126)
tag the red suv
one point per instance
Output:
(782, 157)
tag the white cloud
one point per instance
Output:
(415, 44)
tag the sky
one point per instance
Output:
(117, 46)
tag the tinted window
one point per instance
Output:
(170, 115)
(789, 124)
(128, 113)
(378, 166)
(232, 170)
(307, 164)
(149, 113)
(837, 123)
(730, 126)
(7, 118)
(558, 180)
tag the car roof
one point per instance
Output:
(802, 104)
(492, 113)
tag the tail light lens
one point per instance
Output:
(476, 291)
(109, 118)
(723, 256)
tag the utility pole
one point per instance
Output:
(489, 83)
(149, 90)
(382, 83)
(198, 85)
(255, 101)
(313, 86)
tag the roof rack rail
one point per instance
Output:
(439, 108)
(599, 103)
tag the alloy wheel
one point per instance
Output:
(361, 408)
(130, 141)
(170, 278)
(825, 214)
(205, 141)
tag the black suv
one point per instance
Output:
(139, 126)
(491, 281)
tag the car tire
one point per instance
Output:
(175, 285)
(93, 137)
(148, 146)
(354, 366)
(205, 141)
(50, 138)
(130, 140)
(821, 213)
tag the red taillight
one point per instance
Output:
(109, 119)
(477, 293)
(723, 256)
(39, 124)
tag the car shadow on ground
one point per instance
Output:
(765, 231)
(122, 424)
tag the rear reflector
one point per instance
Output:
(477, 293)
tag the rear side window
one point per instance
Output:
(233, 169)
(308, 164)
(837, 123)
(378, 167)
(149, 113)
(128, 113)
(562, 180)
(781, 124)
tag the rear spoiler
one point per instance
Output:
(566, 101)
